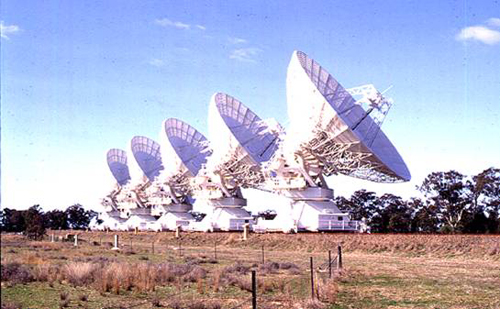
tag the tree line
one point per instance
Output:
(33, 222)
(451, 203)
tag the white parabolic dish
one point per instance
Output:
(318, 103)
(117, 162)
(148, 156)
(191, 148)
(235, 129)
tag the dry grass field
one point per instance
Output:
(213, 271)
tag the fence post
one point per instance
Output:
(262, 254)
(117, 245)
(254, 290)
(330, 263)
(52, 237)
(177, 231)
(76, 240)
(245, 231)
(312, 278)
(339, 261)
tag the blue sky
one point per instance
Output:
(78, 78)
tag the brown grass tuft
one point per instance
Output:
(79, 274)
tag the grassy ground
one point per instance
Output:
(380, 271)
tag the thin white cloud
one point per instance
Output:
(479, 33)
(157, 62)
(165, 22)
(5, 31)
(245, 54)
(493, 22)
(201, 27)
(237, 41)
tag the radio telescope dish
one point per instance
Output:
(249, 131)
(148, 156)
(171, 194)
(190, 146)
(242, 142)
(117, 162)
(326, 121)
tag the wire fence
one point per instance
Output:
(303, 282)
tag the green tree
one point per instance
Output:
(424, 219)
(486, 202)
(56, 220)
(362, 204)
(13, 220)
(35, 227)
(450, 195)
(392, 216)
(78, 218)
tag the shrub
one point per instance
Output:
(46, 272)
(11, 306)
(313, 304)
(288, 265)
(327, 291)
(16, 273)
(269, 268)
(175, 304)
(237, 268)
(155, 302)
(195, 274)
(64, 303)
(79, 274)
(64, 295)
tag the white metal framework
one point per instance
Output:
(338, 132)
(332, 131)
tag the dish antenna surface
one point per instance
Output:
(248, 129)
(327, 122)
(186, 150)
(190, 146)
(242, 142)
(148, 156)
(117, 162)
(330, 133)
(135, 206)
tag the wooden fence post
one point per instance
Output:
(330, 263)
(312, 278)
(254, 290)
(339, 257)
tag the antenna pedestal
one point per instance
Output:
(309, 209)
(310, 194)
(172, 216)
(230, 202)
(140, 219)
(111, 220)
(113, 214)
(312, 209)
(227, 215)
(162, 209)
